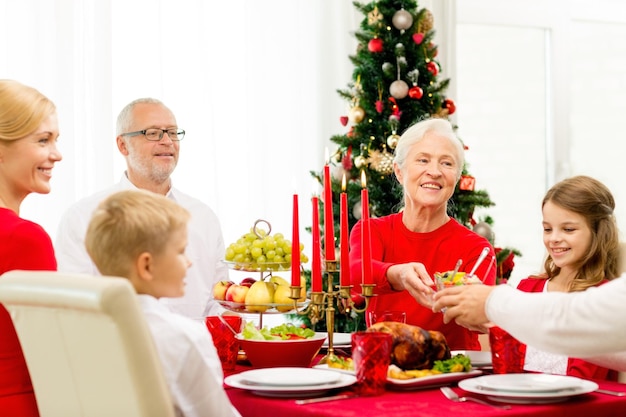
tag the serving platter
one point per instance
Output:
(528, 388)
(416, 383)
(300, 391)
(431, 380)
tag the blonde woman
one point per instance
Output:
(28, 152)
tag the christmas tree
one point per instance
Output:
(395, 83)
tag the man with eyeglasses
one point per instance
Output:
(149, 139)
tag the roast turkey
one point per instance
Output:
(413, 347)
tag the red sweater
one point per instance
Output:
(393, 243)
(575, 367)
(23, 245)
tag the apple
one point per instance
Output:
(247, 282)
(219, 289)
(237, 293)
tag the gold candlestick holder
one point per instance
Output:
(322, 304)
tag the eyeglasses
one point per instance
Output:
(155, 135)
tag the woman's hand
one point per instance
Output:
(414, 278)
(465, 304)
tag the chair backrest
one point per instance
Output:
(88, 348)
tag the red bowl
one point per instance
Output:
(279, 353)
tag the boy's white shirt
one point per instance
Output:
(190, 362)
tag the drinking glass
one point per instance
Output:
(223, 330)
(388, 315)
(371, 354)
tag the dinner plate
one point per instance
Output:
(339, 339)
(288, 376)
(483, 385)
(479, 358)
(416, 383)
(541, 383)
(238, 381)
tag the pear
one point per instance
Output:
(282, 296)
(259, 296)
(279, 280)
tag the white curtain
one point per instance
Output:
(252, 82)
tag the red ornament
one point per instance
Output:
(346, 161)
(375, 45)
(467, 183)
(395, 110)
(432, 68)
(418, 38)
(343, 120)
(379, 106)
(449, 104)
(416, 92)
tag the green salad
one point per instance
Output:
(285, 331)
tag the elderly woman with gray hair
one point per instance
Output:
(409, 247)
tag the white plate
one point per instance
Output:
(339, 339)
(432, 380)
(288, 376)
(479, 358)
(481, 385)
(238, 381)
(523, 383)
(414, 383)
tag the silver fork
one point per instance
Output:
(451, 395)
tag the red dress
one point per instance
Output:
(439, 251)
(23, 245)
(575, 367)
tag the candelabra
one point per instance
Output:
(322, 304)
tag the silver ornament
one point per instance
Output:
(356, 210)
(399, 89)
(359, 161)
(402, 19)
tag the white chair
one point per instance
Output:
(88, 348)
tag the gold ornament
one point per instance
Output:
(374, 16)
(381, 162)
(392, 140)
(356, 114)
(427, 22)
(359, 161)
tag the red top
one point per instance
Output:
(575, 367)
(439, 251)
(23, 245)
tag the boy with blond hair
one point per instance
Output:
(142, 236)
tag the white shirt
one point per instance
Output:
(192, 367)
(205, 249)
(590, 324)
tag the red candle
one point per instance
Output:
(365, 234)
(329, 221)
(344, 254)
(295, 245)
(316, 262)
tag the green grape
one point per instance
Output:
(239, 258)
(280, 251)
(278, 259)
(255, 252)
(230, 253)
(270, 243)
(270, 254)
(239, 249)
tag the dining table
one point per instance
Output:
(427, 401)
